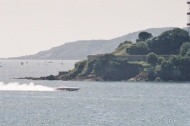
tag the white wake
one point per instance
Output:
(23, 87)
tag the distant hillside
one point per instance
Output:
(80, 49)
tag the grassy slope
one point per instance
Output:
(121, 51)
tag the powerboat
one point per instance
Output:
(67, 89)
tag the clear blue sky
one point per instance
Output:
(30, 26)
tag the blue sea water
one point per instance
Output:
(95, 104)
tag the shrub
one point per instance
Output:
(184, 48)
(152, 58)
(166, 70)
(160, 59)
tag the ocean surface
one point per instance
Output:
(95, 104)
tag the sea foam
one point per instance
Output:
(15, 86)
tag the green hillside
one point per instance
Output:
(175, 44)
(168, 43)
(121, 50)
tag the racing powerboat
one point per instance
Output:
(67, 89)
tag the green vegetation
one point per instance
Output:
(140, 48)
(105, 69)
(112, 67)
(144, 36)
(168, 43)
(185, 49)
(152, 58)
(160, 59)
(121, 50)
(177, 68)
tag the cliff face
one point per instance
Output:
(80, 49)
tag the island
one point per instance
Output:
(162, 58)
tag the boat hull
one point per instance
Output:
(67, 89)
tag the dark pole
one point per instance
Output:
(188, 14)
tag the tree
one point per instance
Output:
(152, 58)
(144, 36)
(184, 48)
(188, 53)
(167, 71)
(169, 42)
(160, 59)
(176, 68)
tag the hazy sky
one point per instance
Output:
(30, 26)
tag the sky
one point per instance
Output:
(30, 26)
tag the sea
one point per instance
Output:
(36, 103)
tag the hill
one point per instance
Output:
(80, 49)
(175, 44)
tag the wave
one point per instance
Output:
(15, 86)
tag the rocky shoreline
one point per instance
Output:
(104, 69)
(138, 78)
(141, 77)
(64, 78)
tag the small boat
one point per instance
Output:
(67, 89)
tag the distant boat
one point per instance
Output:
(67, 89)
(22, 63)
